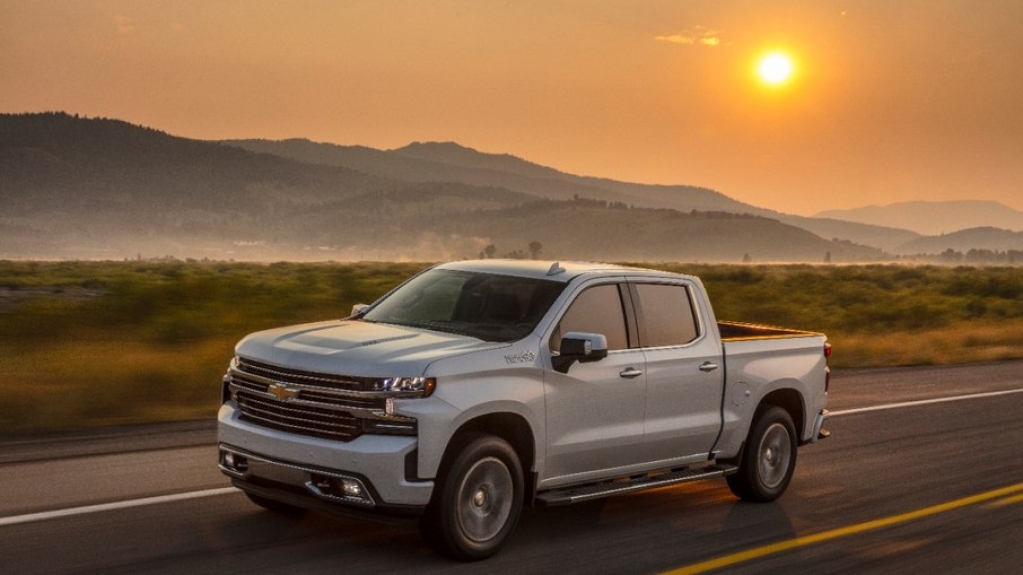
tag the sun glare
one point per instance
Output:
(775, 68)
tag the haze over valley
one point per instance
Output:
(82, 188)
(934, 218)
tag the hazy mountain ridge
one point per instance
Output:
(448, 161)
(982, 238)
(934, 218)
(582, 227)
(98, 188)
(884, 238)
(62, 161)
(455, 154)
(452, 162)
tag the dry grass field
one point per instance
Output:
(92, 344)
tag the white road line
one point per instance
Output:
(924, 402)
(57, 513)
(16, 519)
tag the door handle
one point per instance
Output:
(631, 372)
(708, 366)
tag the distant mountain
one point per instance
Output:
(984, 238)
(576, 229)
(933, 218)
(74, 187)
(454, 154)
(885, 238)
(64, 163)
(451, 162)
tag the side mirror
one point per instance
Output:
(359, 309)
(581, 347)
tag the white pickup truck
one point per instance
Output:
(478, 387)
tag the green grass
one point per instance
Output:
(90, 344)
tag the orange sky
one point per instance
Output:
(892, 100)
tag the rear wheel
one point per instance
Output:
(477, 502)
(769, 457)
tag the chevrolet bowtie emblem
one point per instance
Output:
(281, 391)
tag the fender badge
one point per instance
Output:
(281, 391)
(525, 357)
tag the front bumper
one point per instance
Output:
(371, 473)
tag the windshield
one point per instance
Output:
(486, 306)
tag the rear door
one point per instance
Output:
(684, 371)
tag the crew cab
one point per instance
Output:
(478, 387)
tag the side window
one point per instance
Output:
(596, 310)
(666, 315)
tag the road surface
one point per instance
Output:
(923, 474)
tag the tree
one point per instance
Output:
(534, 249)
(489, 251)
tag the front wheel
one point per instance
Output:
(478, 501)
(769, 457)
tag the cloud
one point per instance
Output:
(697, 36)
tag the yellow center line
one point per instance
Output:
(1007, 501)
(805, 541)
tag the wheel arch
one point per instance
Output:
(791, 401)
(510, 427)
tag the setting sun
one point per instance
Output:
(775, 68)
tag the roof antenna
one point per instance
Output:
(555, 269)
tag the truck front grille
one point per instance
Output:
(318, 405)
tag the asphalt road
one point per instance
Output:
(905, 485)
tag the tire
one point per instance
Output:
(276, 506)
(768, 458)
(477, 500)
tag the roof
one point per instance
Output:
(549, 270)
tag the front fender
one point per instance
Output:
(460, 401)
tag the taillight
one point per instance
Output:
(827, 369)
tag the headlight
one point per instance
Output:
(406, 386)
(225, 382)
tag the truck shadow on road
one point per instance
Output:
(694, 520)
(637, 533)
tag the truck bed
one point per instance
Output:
(734, 331)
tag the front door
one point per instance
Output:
(595, 411)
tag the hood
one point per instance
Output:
(357, 348)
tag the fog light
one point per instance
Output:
(351, 488)
(345, 489)
(234, 462)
